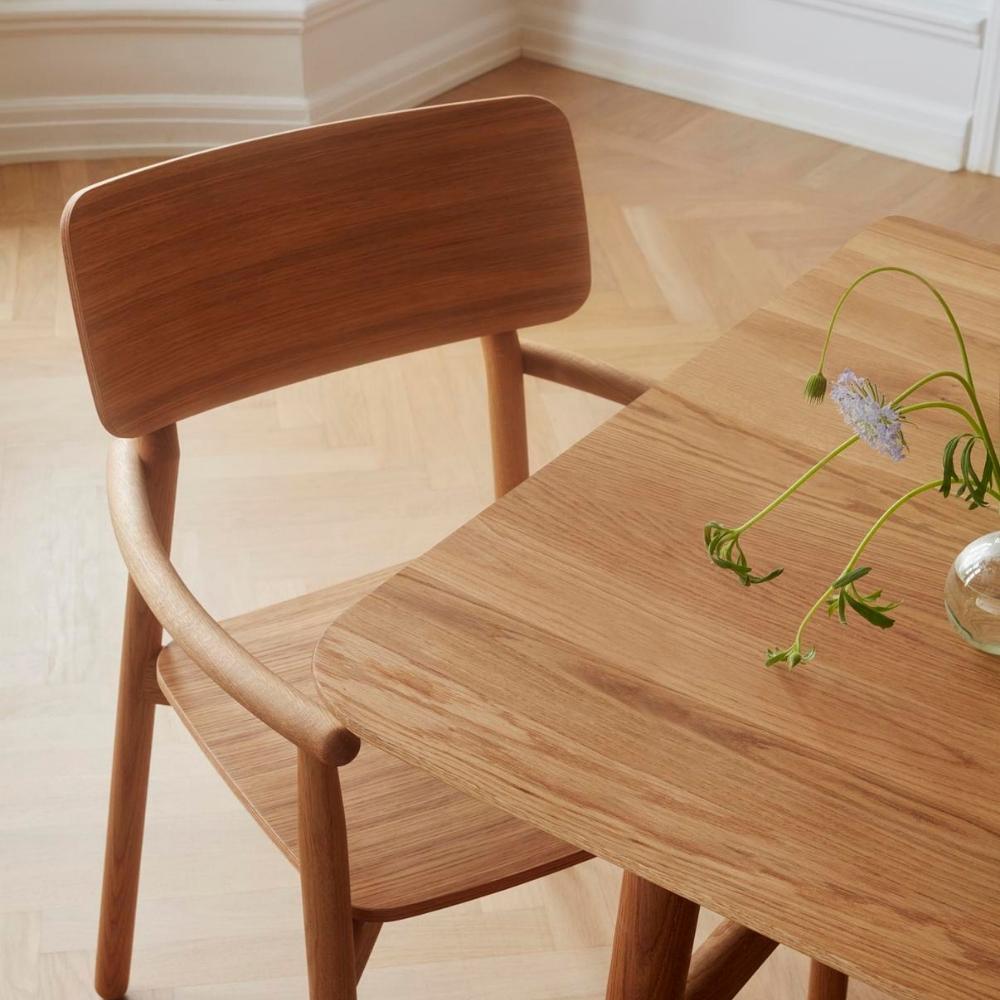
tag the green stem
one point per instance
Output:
(844, 445)
(920, 383)
(862, 545)
(968, 380)
(913, 274)
(800, 482)
(940, 404)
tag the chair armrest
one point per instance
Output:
(275, 702)
(595, 377)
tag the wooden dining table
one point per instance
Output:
(573, 656)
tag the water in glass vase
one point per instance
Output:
(972, 593)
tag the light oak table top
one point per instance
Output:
(572, 656)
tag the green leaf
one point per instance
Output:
(793, 656)
(724, 549)
(978, 496)
(948, 473)
(851, 576)
(870, 614)
(965, 463)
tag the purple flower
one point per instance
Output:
(878, 423)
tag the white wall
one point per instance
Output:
(113, 77)
(984, 141)
(123, 77)
(362, 58)
(144, 79)
(898, 76)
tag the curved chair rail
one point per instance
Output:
(276, 703)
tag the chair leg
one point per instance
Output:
(126, 815)
(326, 886)
(653, 941)
(141, 640)
(365, 935)
(826, 983)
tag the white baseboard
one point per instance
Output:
(422, 72)
(230, 16)
(266, 33)
(957, 22)
(872, 118)
(163, 124)
(146, 125)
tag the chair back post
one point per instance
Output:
(159, 456)
(142, 639)
(508, 420)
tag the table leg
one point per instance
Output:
(653, 941)
(826, 983)
(725, 963)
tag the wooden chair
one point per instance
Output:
(209, 278)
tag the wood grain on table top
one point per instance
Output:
(572, 655)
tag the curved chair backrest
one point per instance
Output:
(215, 276)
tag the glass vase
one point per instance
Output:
(972, 593)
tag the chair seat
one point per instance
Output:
(415, 844)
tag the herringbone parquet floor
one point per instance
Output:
(697, 216)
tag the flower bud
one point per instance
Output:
(816, 388)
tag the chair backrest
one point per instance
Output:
(218, 275)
